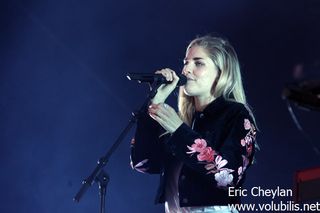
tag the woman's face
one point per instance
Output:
(200, 71)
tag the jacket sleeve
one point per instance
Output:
(147, 148)
(225, 166)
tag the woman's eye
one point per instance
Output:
(199, 64)
(185, 63)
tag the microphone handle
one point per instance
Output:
(151, 77)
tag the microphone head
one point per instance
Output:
(182, 80)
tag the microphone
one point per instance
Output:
(151, 77)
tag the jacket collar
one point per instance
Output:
(214, 107)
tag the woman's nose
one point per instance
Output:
(186, 70)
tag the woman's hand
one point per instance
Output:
(166, 116)
(165, 89)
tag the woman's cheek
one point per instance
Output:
(198, 72)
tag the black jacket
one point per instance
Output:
(215, 153)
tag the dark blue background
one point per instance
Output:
(65, 97)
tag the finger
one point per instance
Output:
(166, 73)
(175, 77)
(164, 109)
(159, 113)
(158, 119)
(160, 106)
(152, 115)
(158, 72)
(156, 108)
(170, 73)
(164, 105)
(153, 106)
(163, 119)
(152, 110)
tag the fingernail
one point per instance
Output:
(151, 115)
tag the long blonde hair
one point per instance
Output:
(228, 82)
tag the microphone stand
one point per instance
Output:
(98, 174)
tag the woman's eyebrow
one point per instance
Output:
(195, 58)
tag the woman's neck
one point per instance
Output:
(202, 102)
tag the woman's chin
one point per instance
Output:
(189, 91)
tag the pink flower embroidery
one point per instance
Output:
(213, 162)
(247, 124)
(198, 146)
(206, 155)
(249, 138)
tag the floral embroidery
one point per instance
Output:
(206, 155)
(223, 178)
(139, 166)
(214, 162)
(217, 165)
(250, 136)
(247, 124)
(241, 169)
(198, 146)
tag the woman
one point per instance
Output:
(207, 147)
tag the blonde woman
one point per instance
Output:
(206, 148)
